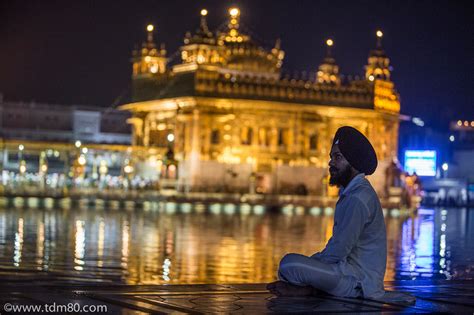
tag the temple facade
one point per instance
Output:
(224, 118)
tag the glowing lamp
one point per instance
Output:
(44, 168)
(234, 12)
(82, 160)
(204, 12)
(379, 33)
(128, 169)
(329, 42)
(150, 28)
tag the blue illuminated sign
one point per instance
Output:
(423, 162)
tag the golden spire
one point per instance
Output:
(204, 27)
(329, 44)
(379, 38)
(278, 44)
(149, 30)
(234, 18)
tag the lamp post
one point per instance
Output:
(21, 162)
(445, 167)
(128, 170)
(43, 169)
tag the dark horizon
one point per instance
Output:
(79, 52)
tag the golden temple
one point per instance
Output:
(224, 118)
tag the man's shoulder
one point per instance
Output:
(364, 192)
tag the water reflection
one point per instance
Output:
(217, 243)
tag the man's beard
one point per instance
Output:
(340, 177)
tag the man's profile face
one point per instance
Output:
(339, 169)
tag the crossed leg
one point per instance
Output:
(304, 276)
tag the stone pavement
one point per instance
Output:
(432, 296)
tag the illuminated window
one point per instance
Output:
(215, 136)
(313, 142)
(282, 137)
(263, 137)
(246, 135)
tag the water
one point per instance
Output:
(219, 243)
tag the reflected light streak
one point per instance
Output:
(125, 243)
(40, 245)
(166, 269)
(18, 244)
(80, 241)
(100, 243)
(2, 228)
(424, 249)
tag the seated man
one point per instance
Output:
(353, 262)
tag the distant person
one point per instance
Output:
(353, 262)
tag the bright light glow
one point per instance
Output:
(103, 169)
(423, 162)
(21, 147)
(44, 168)
(82, 160)
(418, 121)
(200, 59)
(371, 78)
(451, 138)
(445, 166)
(466, 123)
(147, 59)
(84, 150)
(150, 28)
(78, 144)
(379, 33)
(22, 168)
(329, 42)
(170, 137)
(234, 12)
(128, 169)
(204, 12)
(472, 123)
(154, 69)
(459, 123)
(161, 127)
(80, 245)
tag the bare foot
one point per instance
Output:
(281, 288)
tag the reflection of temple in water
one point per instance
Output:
(219, 243)
(231, 121)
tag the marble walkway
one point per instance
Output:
(36, 290)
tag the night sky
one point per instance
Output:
(78, 52)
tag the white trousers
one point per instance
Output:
(302, 271)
